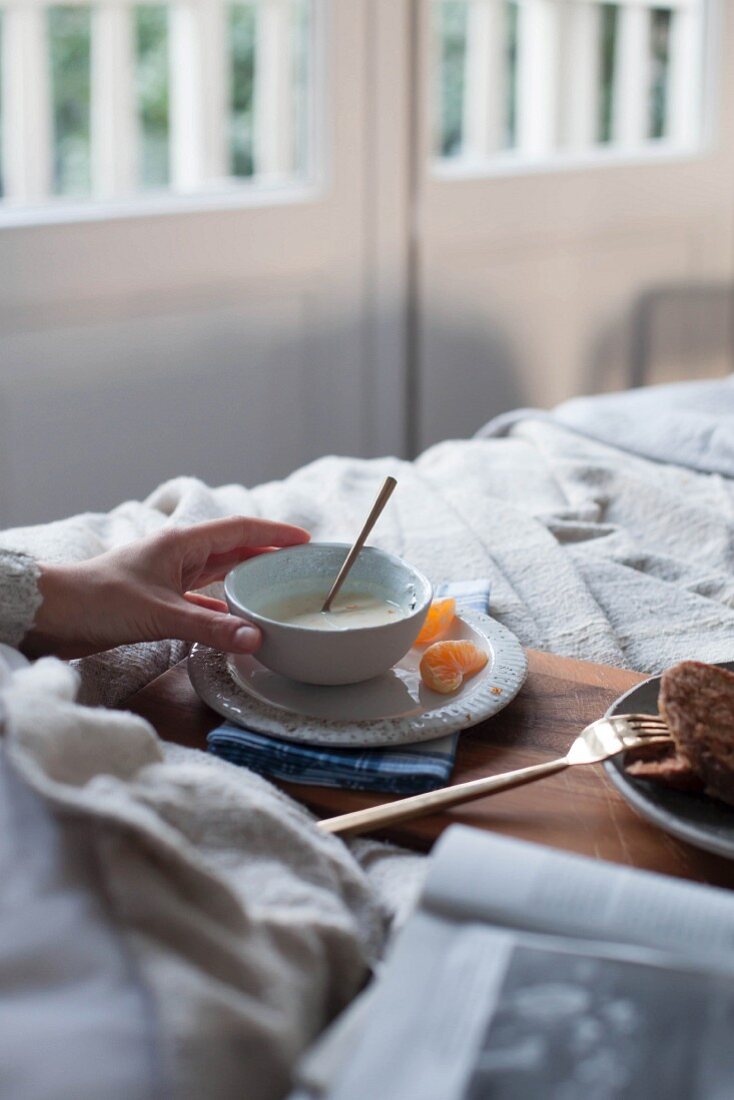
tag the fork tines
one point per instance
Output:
(645, 724)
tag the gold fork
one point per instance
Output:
(604, 738)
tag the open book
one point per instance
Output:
(530, 973)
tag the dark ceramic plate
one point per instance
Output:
(700, 820)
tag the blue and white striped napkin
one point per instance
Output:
(407, 770)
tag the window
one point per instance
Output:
(117, 101)
(536, 81)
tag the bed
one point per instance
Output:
(607, 529)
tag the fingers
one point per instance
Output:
(192, 622)
(208, 551)
(206, 601)
(224, 536)
(218, 565)
(240, 553)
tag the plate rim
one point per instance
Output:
(509, 671)
(640, 801)
(478, 634)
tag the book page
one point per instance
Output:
(525, 968)
(428, 1014)
(513, 884)
(464, 1012)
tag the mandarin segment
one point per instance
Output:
(445, 665)
(440, 616)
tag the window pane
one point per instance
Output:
(452, 24)
(265, 61)
(609, 24)
(243, 35)
(302, 33)
(511, 23)
(660, 21)
(543, 80)
(69, 44)
(151, 87)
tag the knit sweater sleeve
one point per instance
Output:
(19, 595)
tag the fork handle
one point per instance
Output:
(404, 809)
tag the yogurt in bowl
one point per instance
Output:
(373, 622)
(349, 611)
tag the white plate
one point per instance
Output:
(393, 709)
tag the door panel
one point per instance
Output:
(532, 325)
(541, 280)
(226, 338)
(228, 393)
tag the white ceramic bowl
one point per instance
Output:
(329, 656)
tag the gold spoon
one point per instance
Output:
(382, 498)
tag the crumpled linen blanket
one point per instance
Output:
(643, 512)
(246, 929)
(616, 553)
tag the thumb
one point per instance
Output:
(229, 633)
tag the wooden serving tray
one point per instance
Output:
(578, 810)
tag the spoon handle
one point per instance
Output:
(382, 499)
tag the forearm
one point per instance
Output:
(68, 595)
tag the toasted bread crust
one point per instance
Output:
(663, 765)
(697, 702)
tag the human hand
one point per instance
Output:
(143, 591)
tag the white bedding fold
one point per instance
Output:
(247, 927)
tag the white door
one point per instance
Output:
(214, 326)
(574, 210)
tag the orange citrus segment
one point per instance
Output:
(439, 618)
(445, 665)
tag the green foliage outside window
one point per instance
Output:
(452, 20)
(152, 91)
(660, 21)
(242, 31)
(69, 31)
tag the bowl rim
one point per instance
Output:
(258, 617)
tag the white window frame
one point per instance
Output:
(534, 156)
(198, 162)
